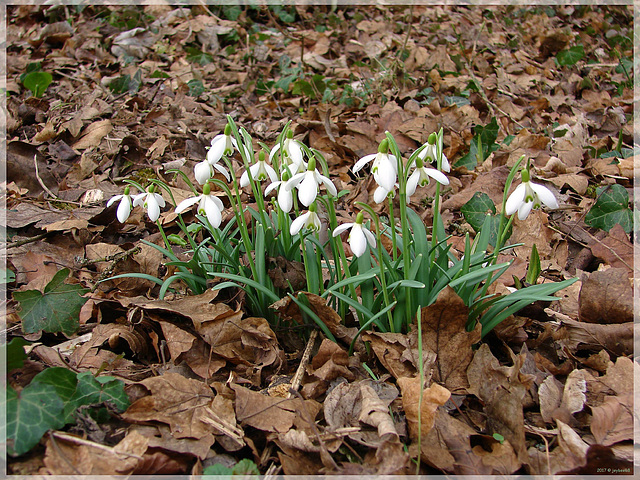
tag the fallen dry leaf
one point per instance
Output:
(606, 297)
(421, 409)
(444, 336)
(501, 390)
(612, 421)
(93, 135)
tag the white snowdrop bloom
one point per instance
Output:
(208, 205)
(260, 171)
(308, 220)
(358, 237)
(124, 207)
(203, 171)
(384, 167)
(292, 154)
(151, 201)
(429, 153)
(308, 183)
(285, 197)
(381, 194)
(420, 176)
(221, 145)
(527, 196)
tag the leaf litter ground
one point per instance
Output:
(138, 90)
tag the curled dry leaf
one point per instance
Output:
(444, 334)
(354, 404)
(272, 414)
(501, 390)
(329, 363)
(93, 135)
(606, 297)
(177, 401)
(615, 338)
(421, 410)
(612, 421)
(395, 353)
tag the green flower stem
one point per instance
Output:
(383, 280)
(392, 224)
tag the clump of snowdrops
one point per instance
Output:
(291, 185)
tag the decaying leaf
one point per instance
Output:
(394, 352)
(502, 391)
(177, 401)
(617, 338)
(444, 334)
(606, 297)
(613, 420)
(421, 409)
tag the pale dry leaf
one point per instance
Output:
(573, 396)
(421, 410)
(93, 135)
(606, 297)
(612, 421)
(550, 396)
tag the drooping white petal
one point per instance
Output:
(437, 175)
(272, 186)
(341, 228)
(380, 194)
(217, 148)
(124, 209)
(244, 179)
(412, 182)
(298, 223)
(159, 199)
(428, 151)
(545, 195)
(223, 171)
(362, 162)
(384, 173)
(525, 210)
(139, 199)
(446, 166)
(295, 151)
(114, 199)
(294, 181)
(331, 188)
(515, 200)
(271, 173)
(357, 240)
(186, 203)
(153, 208)
(285, 200)
(202, 171)
(370, 237)
(274, 150)
(211, 210)
(308, 189)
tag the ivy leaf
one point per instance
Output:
(15, 353)
(91, 391)
(612, 207)
(195, 55)
(568, 58)
(196, 87)
(476, 210)
(30, 414)
(55, 310)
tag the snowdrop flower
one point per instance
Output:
(384, 167)
(285, 197)
(382, 193)
(124, 207)
(291, 154)
(308, 183)
(259, 171)
(221, 145)
(420, 176)
(308, 220)
(209, 205)
(431, 151)
(204, 171)
(150, 200)
(359, 236)
(527, 196)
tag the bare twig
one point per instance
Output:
(297, 377)
(19, 243)
(46, 189)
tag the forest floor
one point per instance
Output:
(97, 94)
